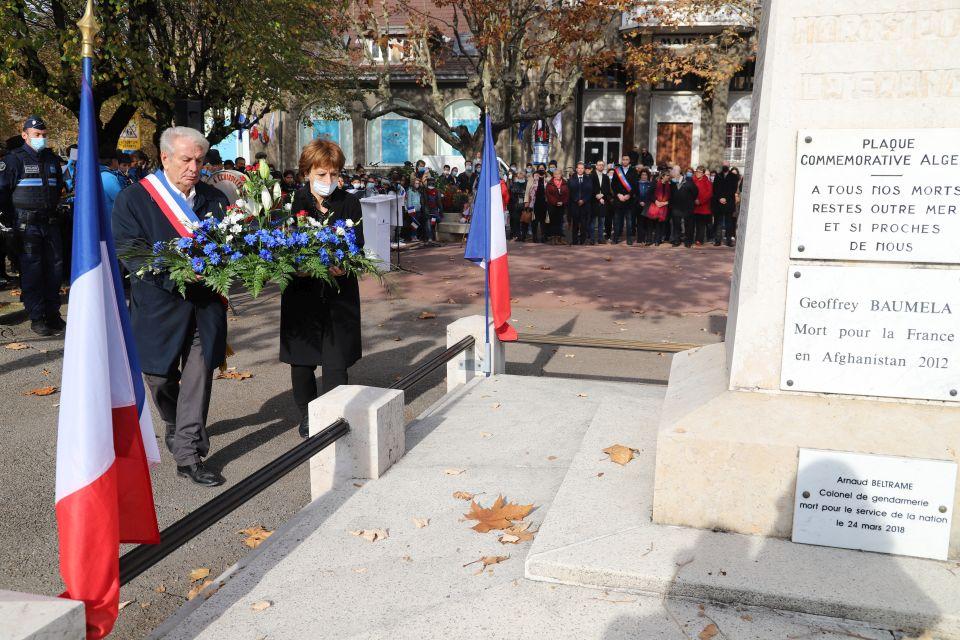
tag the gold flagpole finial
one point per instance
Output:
(88, 29)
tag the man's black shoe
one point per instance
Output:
(56, 323)
(304, 428)
(41, 328)
(200, 475)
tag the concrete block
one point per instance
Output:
(744, 446)
(375, 442)
(472, 362)
(27, 616)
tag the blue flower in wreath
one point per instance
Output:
(198, 264)
(158, 246)
(250, 239)
(184, 243)
(340, 255)
(215, 259)
(225, 248)
(266, 255)
(352, 247)
(324, 257)
(236, 255)
(210, 248)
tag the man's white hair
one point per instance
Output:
(171, 135)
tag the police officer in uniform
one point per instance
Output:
(31, 184)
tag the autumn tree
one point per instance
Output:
(239, 58)
(523, 58)
(714, 57)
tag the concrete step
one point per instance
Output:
(599, 533)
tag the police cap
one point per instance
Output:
(34, 122)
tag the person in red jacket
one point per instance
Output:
(701, 211)
(558, 196)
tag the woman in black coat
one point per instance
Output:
(320, 323)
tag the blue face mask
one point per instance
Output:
(688, 174)
(38, 144)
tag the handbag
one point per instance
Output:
(526, 217)
(655, 212)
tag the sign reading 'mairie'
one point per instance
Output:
(889, 195)
(875, 503)
(876, 331)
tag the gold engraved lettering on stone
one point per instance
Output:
(895, 27)
(871, 85)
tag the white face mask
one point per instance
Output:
(38, 144)
(323, 189)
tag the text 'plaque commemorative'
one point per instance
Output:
(890, 195)
(876, 331)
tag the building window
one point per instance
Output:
(398, 50)
(735, 151)
(393, 140)
(459, 112)
(340, 131)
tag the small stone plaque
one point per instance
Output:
(889, 195)
(878, 503)
(875, 331)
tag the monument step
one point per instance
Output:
(599, 533)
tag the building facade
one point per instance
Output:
(603, 121)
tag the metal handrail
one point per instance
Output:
(605, 343)
(144, 556)
(406, 382)
(140, 558)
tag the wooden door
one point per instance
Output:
(674, 143)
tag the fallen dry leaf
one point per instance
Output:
(16, 346)
(371, 535)
(498, 516)
(144, 605)
(45, 372)
(453, 471)
(608, 259)
(193, 593)
(569, 355)
(15, 293)
(487, 561)
(551, 458)
(234, 375)
(545, 268)
(619, 453)
(581, 395)
(451, 301)
(462, 495)
(199, 574)
(517, 533)
(260, 605)
(421, 522)
(41, 391)
(359, 569)
(161, 589)
(495, 405)
(255, 535)
(426, 315)
(708, 632)
(484, 434)
(600, 475)
(747, 617)
(123, 604)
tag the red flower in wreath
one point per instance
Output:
(302, 213)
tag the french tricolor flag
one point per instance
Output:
(487, 242)
(105, 438)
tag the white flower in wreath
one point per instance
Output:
(276, 191)
(229, 239)
(290, 220)
(266, 199)
(341, 231)
(349, 224)
(236, 229)
(241, 203)
(288, 207)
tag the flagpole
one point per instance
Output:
(88, 30)
(488, 366)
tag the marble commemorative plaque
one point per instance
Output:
(875, 331)
(874, 503)
(889, 195)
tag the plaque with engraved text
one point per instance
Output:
(890, 195)
(875, 331)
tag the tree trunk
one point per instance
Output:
(110, 132)
(714, 126)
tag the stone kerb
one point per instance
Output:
(374, 443)
(470, 363)
(28, 616)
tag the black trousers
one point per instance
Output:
(41, 269)
(555, 226)
(538, 226)
(681, 229)
(624, 212)
(580, 221)
(304, 383)
(700, 224)
(182, 398)
(723, 227)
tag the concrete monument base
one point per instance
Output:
(728, 459)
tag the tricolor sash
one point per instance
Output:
(171, 202)
(621, 174)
